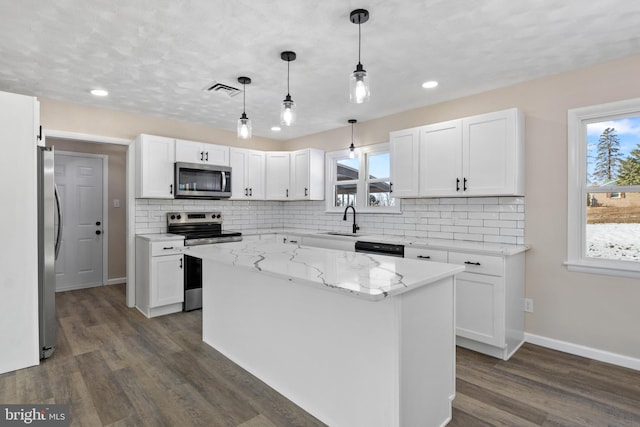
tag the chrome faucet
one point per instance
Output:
(344, 218)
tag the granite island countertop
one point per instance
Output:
(366, 276)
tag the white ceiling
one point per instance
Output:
(156, 56)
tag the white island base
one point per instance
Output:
(348, 361)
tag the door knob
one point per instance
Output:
(98, 232)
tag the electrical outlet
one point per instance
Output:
(528, 305)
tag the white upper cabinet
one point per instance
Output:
(441, 159)
(277, 175)
(493, 153)
(404, 162)
(201, 152)
(247, 173)
(307, 174)
(476, 156)
(155, 157)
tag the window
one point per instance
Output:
(363, 181)
(604, 189)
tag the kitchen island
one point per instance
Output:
(354, 339)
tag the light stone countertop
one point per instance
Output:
(366, 276)
(158, 237)
(415, 242)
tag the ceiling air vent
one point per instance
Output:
(218, 87)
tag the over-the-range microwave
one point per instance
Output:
(201, 181)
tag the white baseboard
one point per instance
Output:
(117, 281)
(581, 350)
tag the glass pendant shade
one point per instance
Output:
(244, 127)
(359, 91)
(288, 112)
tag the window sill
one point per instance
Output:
(597, 268)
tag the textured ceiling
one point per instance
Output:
(156, 56)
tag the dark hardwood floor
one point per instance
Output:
(117, 368)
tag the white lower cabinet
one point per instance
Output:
(425, 254)
(489, 299)
(489, 303)
(159, 276)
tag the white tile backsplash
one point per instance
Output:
(488, 219)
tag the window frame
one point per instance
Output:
(362, 153)
(577, 120)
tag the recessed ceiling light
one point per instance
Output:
(430, 84)
(99, 92)
(276, 128)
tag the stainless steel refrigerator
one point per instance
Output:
(49, 240)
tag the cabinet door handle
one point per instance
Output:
(250, 191)
(246, 191)
(391, 187)
(207, 157)
(201, 155)
(471, 263)
(424, 257)
(464, 185)
(170, 188)
(166, 248)
(306, 191)
(181, 263)
(287, 192)
(457, 184)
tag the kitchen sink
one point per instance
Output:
(337, 233)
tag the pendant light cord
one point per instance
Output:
(352, 133)
(288, 62)
(244, 98)
(359, 40)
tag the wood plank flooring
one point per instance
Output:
(117, 368)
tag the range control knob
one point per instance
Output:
(173, 217)
(219, 216)
(179, 216)
(213, 215)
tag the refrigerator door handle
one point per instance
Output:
(59, 213)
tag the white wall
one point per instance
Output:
(19, 339)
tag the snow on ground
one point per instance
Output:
(614, 241)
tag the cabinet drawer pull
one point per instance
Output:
(293, 241)
(180, 263)
(166, 248)
(424, 257)
(170, 188)
(471, 263)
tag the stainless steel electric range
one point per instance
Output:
(198, 228)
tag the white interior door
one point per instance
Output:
(80, 184)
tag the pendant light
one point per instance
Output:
(352, 147)
(244, 124)
(359, 90)
(288, 109)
